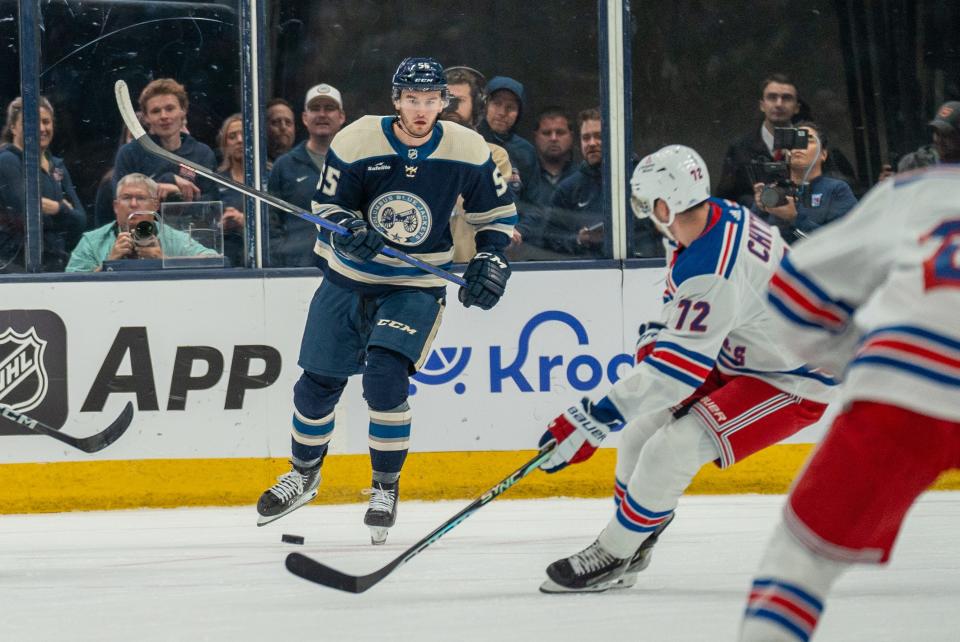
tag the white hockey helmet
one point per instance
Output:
(674, 174)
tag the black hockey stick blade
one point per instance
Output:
(310, 569)
(90, 444)
(190, 169)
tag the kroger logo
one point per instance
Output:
(526, 372)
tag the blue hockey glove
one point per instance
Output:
(486, 276)
(361, 244)
(579, 431)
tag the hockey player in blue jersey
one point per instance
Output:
(390, 180)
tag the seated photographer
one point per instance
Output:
(803, 199)
(136, 233)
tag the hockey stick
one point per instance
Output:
(312, 570)
(189, 169)
(90, 444)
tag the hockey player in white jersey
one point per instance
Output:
(389, 180)
(711, 385)
(875, 295)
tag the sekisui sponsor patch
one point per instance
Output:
(33, 367)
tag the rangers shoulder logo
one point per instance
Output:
(402, 217)
(23, 378)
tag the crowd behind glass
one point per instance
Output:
(784, 169)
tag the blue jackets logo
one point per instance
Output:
(526, 372)
(402, 217)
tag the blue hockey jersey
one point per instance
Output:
(407, 194)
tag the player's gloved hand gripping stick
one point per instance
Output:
(579, 431)
(190, 169)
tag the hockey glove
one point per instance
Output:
(579, 431)
(486, 276)
(361, 244)
(648, 339)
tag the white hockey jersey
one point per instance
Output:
(878, 294)
(716, 315)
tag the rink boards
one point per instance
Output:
(210, 365)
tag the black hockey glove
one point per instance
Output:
(486, 276)
(361, 244)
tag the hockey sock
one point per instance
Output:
(786, 598)
(310, 438)
(667, 463)
(314, 399)
(389, 439)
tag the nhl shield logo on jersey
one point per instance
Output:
(23, 377)
(402, 217)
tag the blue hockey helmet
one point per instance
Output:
(419, 74)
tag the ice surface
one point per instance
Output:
(211, 574)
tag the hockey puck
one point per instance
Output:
(292, 539)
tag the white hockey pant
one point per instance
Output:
(665, 455)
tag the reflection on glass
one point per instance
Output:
(86, 47)
(869, 75)
(494, 90)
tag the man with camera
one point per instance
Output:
(794, 194)
(136, 233)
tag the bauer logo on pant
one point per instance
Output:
(402, 217)
(33, 377)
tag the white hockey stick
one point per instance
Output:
(189, 169)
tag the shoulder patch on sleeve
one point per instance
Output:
(361, 139)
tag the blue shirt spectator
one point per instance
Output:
(295, 175)
(505, 99)
(63, 215)
(163, 105)
(823, 199)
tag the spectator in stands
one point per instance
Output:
(575, 224)
(823, 199)
(465, 86)
(281, 128)
(63, 216)
(230, 142)
(502, 111)
(553, 139)
(945, 132)
(295, 175)
(137, 201)
(163, 106)
(779, 103)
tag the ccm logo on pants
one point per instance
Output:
(397, 325)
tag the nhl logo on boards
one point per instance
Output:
(402, 217)
(33, 367)
(23, 379)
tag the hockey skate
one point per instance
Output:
(592, 570)
(641, 559)
(292, 490)
(382, 512)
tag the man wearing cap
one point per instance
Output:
(505, 98)
(295, 176)
(946, 131)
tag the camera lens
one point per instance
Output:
(772, 196)
(144, 230)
